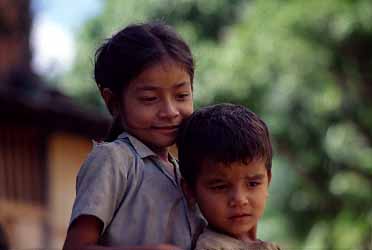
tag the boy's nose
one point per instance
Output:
(238, 198)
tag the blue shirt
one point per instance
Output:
(125, 185)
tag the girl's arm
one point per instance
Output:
(84, 233)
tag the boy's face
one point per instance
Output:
(232, 197)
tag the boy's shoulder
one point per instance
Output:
(263, 245)
(211, 240)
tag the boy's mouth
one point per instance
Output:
(240, 216)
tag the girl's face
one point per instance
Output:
(156, 102)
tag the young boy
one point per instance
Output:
(225, 159)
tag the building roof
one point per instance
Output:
(25, 99)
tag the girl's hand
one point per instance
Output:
(85, 231)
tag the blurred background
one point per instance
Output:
(304, 66)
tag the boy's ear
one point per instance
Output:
(253, 233)
(268, 182)
(269, 176)
(188, 192)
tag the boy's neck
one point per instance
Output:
(250, 236)
(247, 237)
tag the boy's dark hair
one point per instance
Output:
(222, 133)
(133, 49)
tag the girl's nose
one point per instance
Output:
(238, 198)
(169, 110)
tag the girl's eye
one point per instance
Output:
(182, 96)
(148, 98)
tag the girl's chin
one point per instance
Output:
(165, 141)
(161, 146)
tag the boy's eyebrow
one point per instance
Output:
(256, 177)
(215, 180)
(146, 87)
(150, 87)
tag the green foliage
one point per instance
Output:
(304, 66)
(198, 21)
(299, 65)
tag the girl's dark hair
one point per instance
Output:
(133, 49)
(223, 133)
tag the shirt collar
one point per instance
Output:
(140, 148)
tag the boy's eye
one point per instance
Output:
(253, 183)
(219, 187)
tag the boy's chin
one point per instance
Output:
(243, 233)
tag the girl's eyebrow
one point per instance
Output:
(181, 84)
(150, 87)
(146, 87)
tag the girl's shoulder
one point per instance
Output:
(116, 156)
(119, 149)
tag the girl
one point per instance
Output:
(128, 192)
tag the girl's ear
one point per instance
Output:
(110, 101)
(107, 95)
(189, 193)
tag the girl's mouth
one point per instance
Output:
(166, 129)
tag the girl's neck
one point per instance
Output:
(164, 158)
(162, 153)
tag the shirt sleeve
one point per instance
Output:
(101, 182)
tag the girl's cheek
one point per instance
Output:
(192, 107)
(189, 109)
(189, 112)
